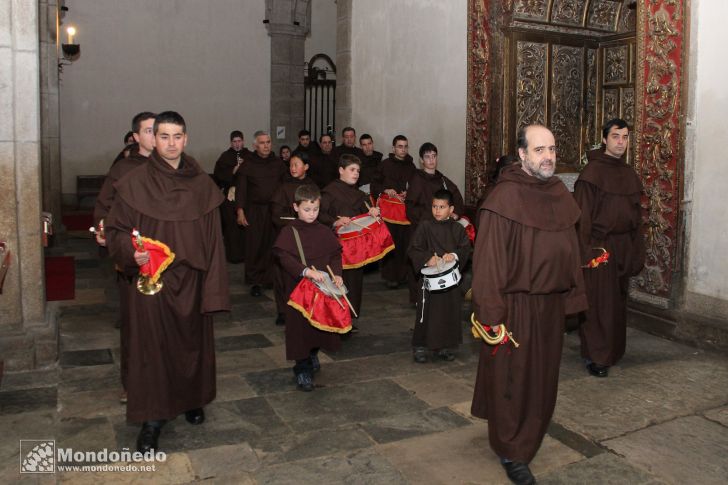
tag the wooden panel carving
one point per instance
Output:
(531, 9)
(568, 12)
(530, 83)
(590, 119)
(616, 64)
(626, 108)
(567, 81)
(603, 15)
(659, 129)
(610, 104)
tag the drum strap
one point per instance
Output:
(299, 246)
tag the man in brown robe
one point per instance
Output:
(259, 176)
(323, 164)
(340, 201)
(436, 241)
(392, 177)
(171, 344)
(305, 144)
(282, 214)
(226, 168)
(608, 192)
(527, 276)
(348, 145)
(142, 126)
(320, 248)
(369, 162)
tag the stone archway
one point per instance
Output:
(660, 99)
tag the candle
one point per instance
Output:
(71, 31)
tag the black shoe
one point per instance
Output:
(519, 473)
(148, 438)
(281, 319)
(195, 416)
(446, 354)
(420, 355)
(255, 290)
(304, 382)
(354, 329)
(315, 363)
(597, 370)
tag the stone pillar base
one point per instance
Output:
(33, 347)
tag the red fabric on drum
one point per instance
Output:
(392, 210)
(365, 246)
(321, 311)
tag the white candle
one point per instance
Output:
(71, 31)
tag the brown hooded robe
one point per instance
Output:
(526, 274)
(171, 344)
(234, 234)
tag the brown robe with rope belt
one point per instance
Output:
(256, 181)
(320, 248)
(342, 199)
(224, 175)
(171, 342)
(438, 325)
(103, 204)
(608, 192)
(526, 274)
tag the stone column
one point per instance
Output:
(343, 62)
(288, 24)
(50, 155)
(26, 340)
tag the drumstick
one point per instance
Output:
(332, 290)
(437, 261)
(355, 223)
(287, 218)
(331, 272)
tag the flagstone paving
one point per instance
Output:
(376, 417)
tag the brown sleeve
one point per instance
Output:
(586, 196)
(576, 300)
(215, 289)
(327, 213)
(490, 268)
(241, 186)
(117, 227)
(104, 200)
(414, 205)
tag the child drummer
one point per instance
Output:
(438, 243)
(340, 201)
(321, 249)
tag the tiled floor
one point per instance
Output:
(375, 417)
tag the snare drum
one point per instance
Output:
(392, 209)
(319, 307)
(364, 240)
(441, 279)
(469, 228)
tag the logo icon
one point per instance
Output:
(37, 456)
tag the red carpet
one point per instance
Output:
(60, 275)
(78, 221)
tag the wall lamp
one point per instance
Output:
(71, 51)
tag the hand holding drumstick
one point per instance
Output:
(313, 275)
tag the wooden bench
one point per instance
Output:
(88, 186)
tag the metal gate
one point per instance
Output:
(319, 109)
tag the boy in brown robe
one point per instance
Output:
(171, 343)
(526, 275)
(283, 213)
(226, 168)
(392, 177)
(259, 176)
(436, 241)
(369, 162)
(320, 248)
(340, 201)
(142, 126)
(608, 192)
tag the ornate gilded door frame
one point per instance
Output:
(659, 129)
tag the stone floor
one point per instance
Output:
(375, 417)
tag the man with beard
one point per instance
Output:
(323, 165)
(348, 141)
(170, 200)
(392, 178)
(257, 179)
(526, 276)
(142, 126)
(226, 168)
(369, 162)
(608, 192)
(282, 213)
(305, 145)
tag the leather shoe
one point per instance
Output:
(519, 473)
(304, 382)
(148, 438)
(420, 355)
(597, 370)
(255, 290)
(281, 319)
(195, 416)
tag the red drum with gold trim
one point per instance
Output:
(364, 240)
(469, 228)
(393, 209)
(319, 307)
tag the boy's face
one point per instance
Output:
(297, 168)
(350, 174)
(429, 161)
(307, 210)
(441, 209)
